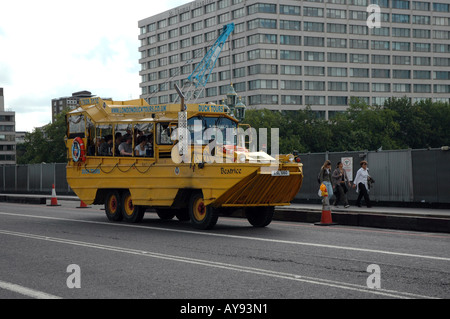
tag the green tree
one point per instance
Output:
(45, 144)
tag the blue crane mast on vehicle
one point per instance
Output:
(200, 76)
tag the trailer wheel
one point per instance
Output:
(202, 216)
(113, 206)
(259, 216)
(131, 213)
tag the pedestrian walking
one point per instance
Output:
(325, 177)
(361, 183)
(341, 185)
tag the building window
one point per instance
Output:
(336, 14)
(422, 88)
(263, 99)
(401, 32)
(290, 85)
(401, 46)
(422, 74)
(381, 59)
(401, 88)
(337, 100)
(336, 43)
(290, 55)
(314, 56)
(441, 7)
(292, 10)
(291, 99)
(359, 72)
(314, 41)
(401, 74)
(262, 54)
(314, 70)
(314, 100)
(312, 12)
(334, 71)
(381, 73)
(359, 58)
(290, 40)
(262, 84)
(381, 87)
(359, 87)
(291, 69)
(262, 23)
(262, 8)
(313, 26)
(290, 25)
(400, 18)
(420, 5)
(337, 86)
(400, 4)
(315, 85)
(337, 57)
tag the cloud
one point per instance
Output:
(55, 48)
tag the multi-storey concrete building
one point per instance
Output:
(70, 102)
(288, 54)
(7, 134)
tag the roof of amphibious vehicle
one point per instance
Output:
(107, 111)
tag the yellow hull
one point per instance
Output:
(157, 184)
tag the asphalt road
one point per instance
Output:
(48, 252)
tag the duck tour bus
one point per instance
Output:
(188, 161)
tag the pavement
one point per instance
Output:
(400, 218)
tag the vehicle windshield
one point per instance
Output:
(205, 129)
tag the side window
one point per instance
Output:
(121, 132)
(104, 140)
(163, 133)
(143, 133)
(77, 126)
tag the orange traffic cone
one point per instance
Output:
(82, 205)
(326, 219)
(54, 200)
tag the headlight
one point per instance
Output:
(241, 158)
(291, 158)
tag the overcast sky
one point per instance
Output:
(52, 48)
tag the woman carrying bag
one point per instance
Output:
(340, 185)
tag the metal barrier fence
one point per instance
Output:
(34, 179)
(407, 176)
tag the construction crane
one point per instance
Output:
(200, 76)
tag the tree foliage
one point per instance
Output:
(44, 145)
(398, 124)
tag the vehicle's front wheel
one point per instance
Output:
(113, 208)
(259, 216)
(202, 216)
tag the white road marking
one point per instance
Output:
(213, 264)
(26, 291)
(236, 237)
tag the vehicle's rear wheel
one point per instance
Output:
(259, 216)
(202, 216)
(113, 208)
(131, 213)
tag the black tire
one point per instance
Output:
(259, 216)
(202, 217)
(113, 206)
(165, 213)
(131, 213)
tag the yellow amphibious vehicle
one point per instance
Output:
(130, 157)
